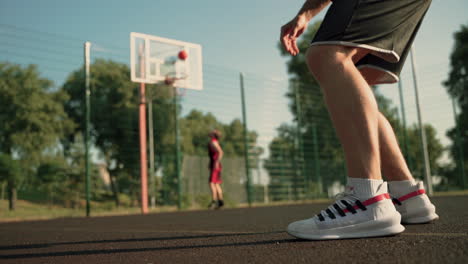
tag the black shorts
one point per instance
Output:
(384, 27)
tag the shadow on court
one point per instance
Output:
(132, 250)
(127, 240)
(254, 235)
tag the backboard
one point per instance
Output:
(153, 59)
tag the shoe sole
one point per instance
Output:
(421, 216)
(383, 227)
(420, 220)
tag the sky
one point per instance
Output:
(237, 36)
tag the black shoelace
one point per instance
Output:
(340, 211)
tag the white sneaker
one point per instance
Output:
(348, 217)
(415, 207)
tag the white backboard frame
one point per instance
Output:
(192, 66)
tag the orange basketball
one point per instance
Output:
(183, 55)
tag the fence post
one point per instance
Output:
(142, 138)
(152, 176)
(177, 150)
(459, 143)
(300, 145)
(246, 143)
(317, 160)
(403, 116)
(427, 165)
(87, 48)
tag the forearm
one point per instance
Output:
(312, 8)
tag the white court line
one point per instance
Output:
(436, 234)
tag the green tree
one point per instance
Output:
(195, 129)
(434, 147)
(313, 129)
(31, 115)
(115, 123)
(10, 172)
(52, 175)
(283, 164)
(457, 87)
(73, 189)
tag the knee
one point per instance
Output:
(323, 59)
(314, 56)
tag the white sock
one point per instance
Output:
(400, 188)
(366, 188)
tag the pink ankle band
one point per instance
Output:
(411, 194)
(371, 201)
(376, 199)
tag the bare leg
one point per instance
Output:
(213, 191)
(219, 191)
(352, 106)
(393, 164)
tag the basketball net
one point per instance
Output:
(170, 80)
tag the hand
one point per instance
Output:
(291, 31)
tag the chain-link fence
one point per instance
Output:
(289, 151)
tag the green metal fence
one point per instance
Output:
(278, 140)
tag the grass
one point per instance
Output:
(26, 210)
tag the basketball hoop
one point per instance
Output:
(157, 60)
(166, 61)
(171, 79)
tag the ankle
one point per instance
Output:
(400, 188)
(366, 188)
(398, 175)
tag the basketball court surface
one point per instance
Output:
(242, 235)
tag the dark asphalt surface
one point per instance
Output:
(245, 235)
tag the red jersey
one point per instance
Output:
(215, 173)
(213, 152)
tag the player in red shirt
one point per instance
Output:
(215, 153)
